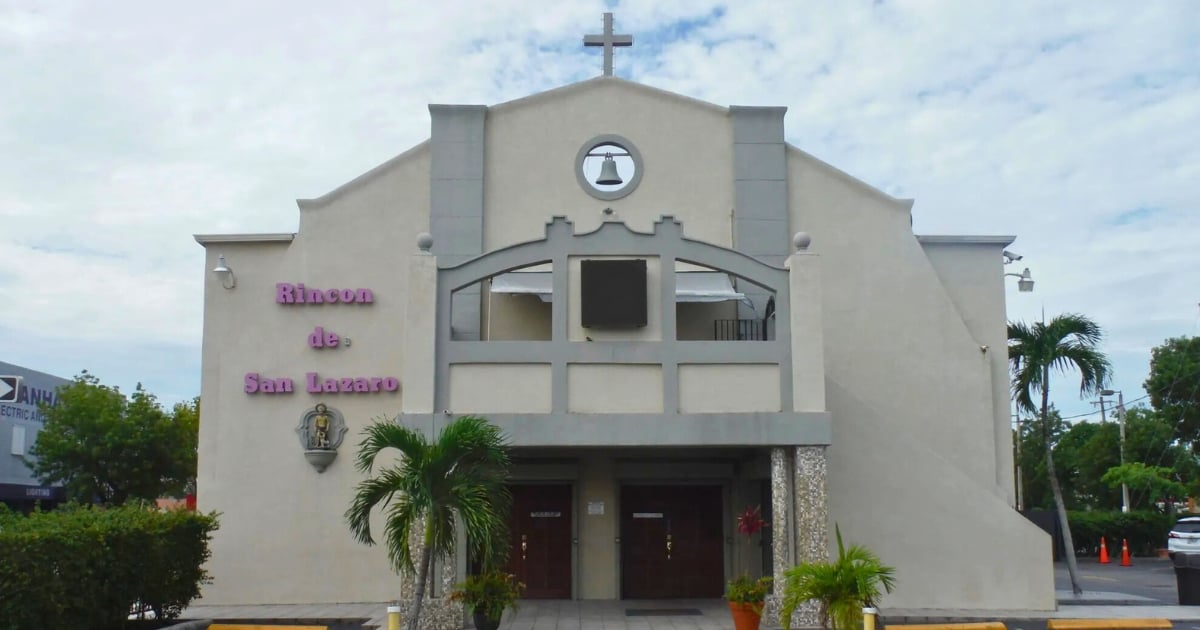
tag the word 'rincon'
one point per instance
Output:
(255, 383)
(287, 293)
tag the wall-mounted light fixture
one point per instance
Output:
(224, 273)
(1024, 280)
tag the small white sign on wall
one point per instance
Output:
(595, 508)
(18, 440)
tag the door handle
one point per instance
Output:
(668, 546)
(524, 545)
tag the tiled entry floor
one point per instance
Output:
(612, 614)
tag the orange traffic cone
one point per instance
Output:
(1104, 552)
(1125, 562)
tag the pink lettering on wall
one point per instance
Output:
(321, 338)
(350, 384)
(288, 293)
(255, 383)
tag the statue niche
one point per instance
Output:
(321, 430)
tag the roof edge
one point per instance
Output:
(900, 202)
(965, 239)
(579, 85)
(270, 237)
(316, 202)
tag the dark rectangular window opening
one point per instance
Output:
(613, 293)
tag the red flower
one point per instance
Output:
(750, 522)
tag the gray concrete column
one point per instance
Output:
(456, 200)
(760, 190)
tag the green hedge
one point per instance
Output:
(1145, 531)
(85, 567)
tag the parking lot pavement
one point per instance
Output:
(1148, 581)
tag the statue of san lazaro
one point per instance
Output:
(321, 428)
(320, 435)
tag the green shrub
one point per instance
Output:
(1146, 531)
(85, 567)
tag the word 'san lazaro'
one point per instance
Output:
(255, 383)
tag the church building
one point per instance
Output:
(675, 316)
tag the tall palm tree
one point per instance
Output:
(1067, 342)
(462, 474)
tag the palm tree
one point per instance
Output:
(462, 475)
(1067, 342)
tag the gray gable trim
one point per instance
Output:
(667, 243)
(614, 238)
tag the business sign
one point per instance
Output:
(22, 492)
(24, 392)
(10, 387)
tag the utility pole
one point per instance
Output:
(1020, 484)
(1121, 419)
(1121, 422)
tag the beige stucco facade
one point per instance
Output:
(897, 340)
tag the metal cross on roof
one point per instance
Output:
(608, 41)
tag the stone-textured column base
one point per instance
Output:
(806, 616)
(770, 616)
(436, 614)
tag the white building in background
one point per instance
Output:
(22, 393)
(735, 323)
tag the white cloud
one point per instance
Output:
(130, 126)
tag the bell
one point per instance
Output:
(608, 172)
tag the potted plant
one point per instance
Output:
(746, 595)
(487, 595)
(842, 588)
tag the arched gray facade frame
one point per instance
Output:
(672, 427)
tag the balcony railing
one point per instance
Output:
(739, 330)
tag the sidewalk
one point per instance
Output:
(691, 614)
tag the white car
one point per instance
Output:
(1184, 536)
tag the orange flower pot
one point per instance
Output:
(745, 616)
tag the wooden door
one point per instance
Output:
(672, 545)
(541, 540)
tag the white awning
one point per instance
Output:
(690, 286)
(705, 286)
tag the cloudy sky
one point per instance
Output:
(128, 126)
